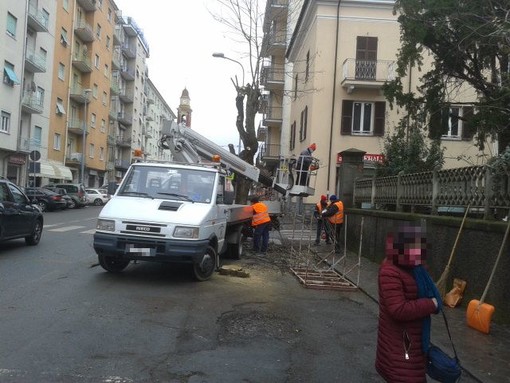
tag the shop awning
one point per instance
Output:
(61, 171)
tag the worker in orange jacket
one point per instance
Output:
(335, 215)
(261, 223)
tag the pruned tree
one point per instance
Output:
(470, 44)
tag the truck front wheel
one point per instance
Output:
(204, 269)
(112, 263)
(235, 250)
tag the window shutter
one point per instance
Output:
(379, 118)
(346, 117)
(468, 130)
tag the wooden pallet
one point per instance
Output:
(322, 279)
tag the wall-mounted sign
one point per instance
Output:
(366, 158)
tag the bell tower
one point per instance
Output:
(184, 109)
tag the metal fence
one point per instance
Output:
(484, 189)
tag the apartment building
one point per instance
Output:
(26, 55)
(76, 101)
(328, 85)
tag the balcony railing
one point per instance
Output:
(122, 164)
(274, 44)
(273, 116)
(37, 20)
(82, 63)
(32, 103)
(88, 5)
(35, 62)
(125, 118)
(269, 151)
(127, 74)
(367, 73)
(76, 125)
(272, 78)
(84, 31)
(128, 51)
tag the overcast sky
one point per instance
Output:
(182, 36)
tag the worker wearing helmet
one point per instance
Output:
(335, 215)
(261, 223)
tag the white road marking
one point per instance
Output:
(66, 228)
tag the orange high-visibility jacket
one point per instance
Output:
(339, 215)
(260, 214)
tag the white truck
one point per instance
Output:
(176, 212)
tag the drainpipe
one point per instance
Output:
(333, 98)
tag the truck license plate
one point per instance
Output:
(142, 251)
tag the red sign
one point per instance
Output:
(18, 159)
(366, 158)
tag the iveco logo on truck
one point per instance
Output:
(142, 228)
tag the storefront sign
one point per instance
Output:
(366, 158)
(17, 159)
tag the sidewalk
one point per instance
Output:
(484, 357)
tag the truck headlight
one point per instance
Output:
(186, 232)
(105, 225)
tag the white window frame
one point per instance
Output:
(12, 23)
(93, 120)
(61, 110)
(91, 150)
(5, 124)
(452, 124)
(57, 141)
(61, 71)
(359, 129)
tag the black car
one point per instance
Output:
(19, 218)
(70, 204)
(75, 191)
(46, 199)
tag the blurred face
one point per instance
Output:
(407, 247)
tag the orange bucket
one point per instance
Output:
(479, 315)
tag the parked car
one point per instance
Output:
(97, 197)
(46, 199)
(19, 218)
(75, 191)
(70, 204)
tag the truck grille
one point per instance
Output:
(147, 229)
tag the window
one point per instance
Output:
(63, 38)
(96, 61)
(98, 31)
(103, 126)
(65, 5)
(101, 154)
(91, 150)
(57, 141)
(10, 77)
(366, 58)
(37, 135)
(61, 71)
(109, 14)
(363, 118)
(292, 144)
(105, 98)
(106, 70)
(307, 70)
(295, 87)
(93, 120)
(40, 96)
(11, 25)
(303, 125)
(95, 90)
(60, 107)
(5, 126)
(108, 42)
(458, 117)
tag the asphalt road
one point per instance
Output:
(64, 319)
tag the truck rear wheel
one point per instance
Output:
(203, 270)
(112, 263)
(235, 250)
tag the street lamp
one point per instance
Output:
(86, 93)
(222, 56)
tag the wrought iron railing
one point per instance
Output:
(485, 189)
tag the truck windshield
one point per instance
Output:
(169, 183)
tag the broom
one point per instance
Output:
(441, 283)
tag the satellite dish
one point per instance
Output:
(35, 155)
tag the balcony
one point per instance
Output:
(116, 61)
(367, 74)
(272, 79)
(262, 133)
(127, 74)
(111, 140)
(117, 36)
(32, 103)
(82, 63)
(88, 5)
(84, 31)
(269, 153)
(75, 126)
(114, 87)
(126, 96)
(128, 51)
(24, 145)
(112, 114)
(35, 62)
(37, 20)
(122, 164)
(273, 117)
(125, 118)
(77, 94)
(275, 9)
(274, 44)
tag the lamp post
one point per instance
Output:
(86, 93)
(222, 56)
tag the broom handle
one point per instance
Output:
(482, 299)
(458, 236)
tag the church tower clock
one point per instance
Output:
(184, 109)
